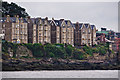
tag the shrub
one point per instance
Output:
(69, 50)
(57, 51)
(38, 50)
(78, 54)
(51, 54)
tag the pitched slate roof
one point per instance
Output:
(13, 19)
(80, 25)
(86, 25)
(92, 26)
(58, 22)
(66, 21)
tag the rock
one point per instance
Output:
(10, 51)
(23, 51)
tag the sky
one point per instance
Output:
(101, 14)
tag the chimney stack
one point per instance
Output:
(46, 18)
(52, 18)
(61, 19)
(8, 18)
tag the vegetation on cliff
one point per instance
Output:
(54, 50)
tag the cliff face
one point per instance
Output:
(56, 64)
(23, 51)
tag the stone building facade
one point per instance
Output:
(93, 27)
(66, 32)
(32, 27)
(55, 31)
(85, 34)
(15, 29)
(42, 30)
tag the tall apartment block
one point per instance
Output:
(93, 27)
(55, 31)
(66, 32)
(14, 29)
(32, 27)
(42, 30)
(85, 34)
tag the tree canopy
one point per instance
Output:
(13, 9)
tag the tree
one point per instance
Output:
(38, 50)
(69, 50)
(13, 9)
(78, 54)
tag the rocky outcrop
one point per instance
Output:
(23, 51)
(56, 64)
(107, 56)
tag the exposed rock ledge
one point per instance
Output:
(57, 64)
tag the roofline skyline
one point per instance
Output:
(99, 29)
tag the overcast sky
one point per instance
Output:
(102, 14)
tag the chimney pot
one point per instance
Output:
(46, 18)
(61, 19)
(52, 18)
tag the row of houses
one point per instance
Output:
(108, 36)
(42, 30)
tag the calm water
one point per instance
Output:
(62, 74)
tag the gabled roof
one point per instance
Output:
(86, 25)
(58, 22)
(12, 19)
(66, 21)
(49, 21)
(92, 26)
(80, 25)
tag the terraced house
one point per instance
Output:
(15, 29)
(32, 30)
(85, 34)
(42, 30)
(55, 31)
(93, 27)
(66, 32)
